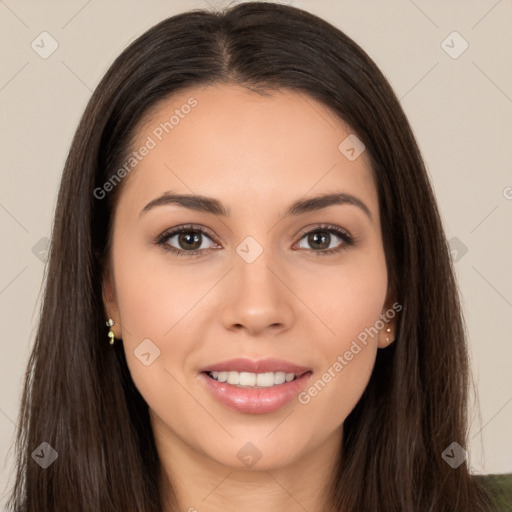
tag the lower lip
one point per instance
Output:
(255, 400)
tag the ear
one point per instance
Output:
(110, 300)
(389, 317)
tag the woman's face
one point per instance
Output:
(252, 279)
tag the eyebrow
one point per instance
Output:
(210, 205)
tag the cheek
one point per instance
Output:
(352, 304)
(153, 294)
(151, 301)
(349, 299)
(140, 301)
(156, 300)
(332, 394)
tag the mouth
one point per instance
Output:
(255, 387)
(253, 380)
(244, 365)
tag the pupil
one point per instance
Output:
(189, 237)
(319, 239)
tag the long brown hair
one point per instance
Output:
(79, 396)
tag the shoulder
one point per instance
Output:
(499, 488)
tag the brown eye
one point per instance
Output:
(186, 241)
(322, 240)
(319, 240)
(189, 240)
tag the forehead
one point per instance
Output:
(228, 142)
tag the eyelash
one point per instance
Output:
(162, 239)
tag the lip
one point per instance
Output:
(262, 366)
(255, 400)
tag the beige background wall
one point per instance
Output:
(460, 107)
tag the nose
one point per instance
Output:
(259, 298)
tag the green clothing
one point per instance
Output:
(500, 489)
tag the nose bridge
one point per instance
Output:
(259, 299)
(254, 279)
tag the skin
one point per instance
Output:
(256, 154)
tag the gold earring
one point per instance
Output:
(111, 334)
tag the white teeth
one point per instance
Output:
(246, 379)
(265, 380)
(280, 377)
(233, 378)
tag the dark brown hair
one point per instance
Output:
(79, 396)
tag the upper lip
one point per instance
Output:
(261, 366)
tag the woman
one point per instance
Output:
(245, 207)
